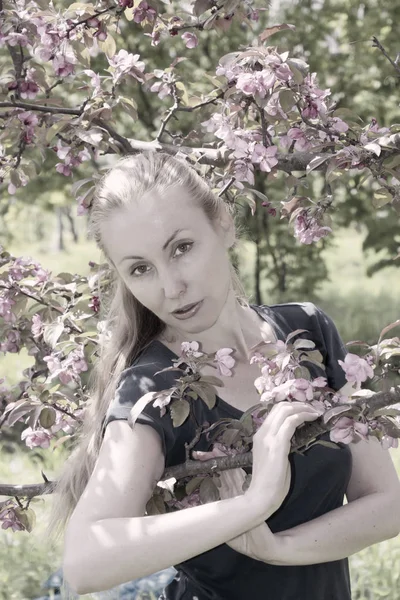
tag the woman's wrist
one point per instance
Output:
(263, 506)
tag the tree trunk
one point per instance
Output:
(67, 212)
(60, 229)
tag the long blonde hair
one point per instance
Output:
(131, 325)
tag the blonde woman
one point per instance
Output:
(166, 237)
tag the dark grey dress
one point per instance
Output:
(319, 477)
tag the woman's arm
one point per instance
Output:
(130, 542)
(371, 516)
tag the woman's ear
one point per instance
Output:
(227, 228)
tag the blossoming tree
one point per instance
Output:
(65, 89)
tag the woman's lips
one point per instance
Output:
(189, 313)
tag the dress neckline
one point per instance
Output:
(222, 403)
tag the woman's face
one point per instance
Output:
(166, 269)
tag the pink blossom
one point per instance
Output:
(190, 39)
(17, 39)
(307, 230)
(346, 430)
(301, 142)
(36, 438)
(265, 157)
(61, 149)
(228, 69)
(339, 125)
(6, 302)
(302, 390)
(144, 11)
(244, 171)
(224, 361)
(163, 89)
(256, 82)
(356, 369)
(64, 169)
(10, 519)
(101, 34)
(28, 118)
(162, 401)
(221, 126)
(65, 376)
(12, 343)
(53, 363)
(389, 442)
(95, 81)
(28, 89)
(319, 382)
(37, 326)
(125, 63)
(76, 360)
(374, 128)
(274, 108)
(62, 67)
(191, 349)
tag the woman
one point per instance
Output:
(167, 236)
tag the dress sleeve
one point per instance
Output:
(134, 382)
(332, 348)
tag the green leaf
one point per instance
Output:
(392, 161)
(287, 100)
(302, 372)
(211, 379)
(47, 417)
(180, 410)
(208, 491)
(347, 115)
(300, 343)
(299, 69)
(156, 506)
(181, 86)
(316, 162)
(193, 484)
(52, 333)
(206, 393)
(315, 356)
(109, 46)
(381, 197)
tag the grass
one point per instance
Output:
(360, 307)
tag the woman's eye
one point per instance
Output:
(190, 244)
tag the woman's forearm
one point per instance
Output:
(117, 550)
(258, 543)
(339, 533)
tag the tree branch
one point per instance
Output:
(377, 44)
(302, 437)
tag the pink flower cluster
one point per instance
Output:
(28, 87)
(29, 121)
(357, 369)
(124, 63)
(307, 228)
(72, 157)
(69, 369)
(9, 517)
(163, 88)
(224, 361)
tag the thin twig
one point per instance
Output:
(377, 44)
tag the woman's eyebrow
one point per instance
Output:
(169, 240)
